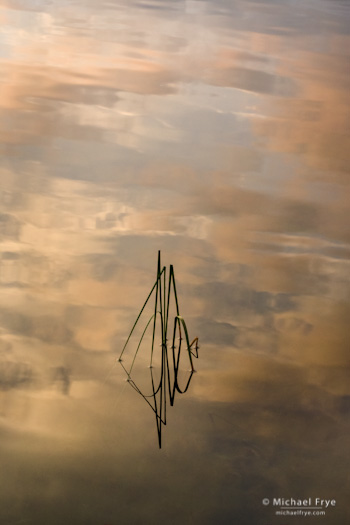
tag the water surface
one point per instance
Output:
(216, 132)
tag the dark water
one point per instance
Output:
(218, 133)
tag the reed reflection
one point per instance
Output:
(165, 386)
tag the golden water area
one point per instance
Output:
(218, 133)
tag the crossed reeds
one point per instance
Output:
(168, 384)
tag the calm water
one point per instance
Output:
(216, 132)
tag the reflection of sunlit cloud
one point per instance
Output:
(299, 244)
(314, 126)
(232, 201)
(94, 327)
(102, 294)
(298, 270)
(255, 379)
(27, 84)
(93, 79)
(10, 227)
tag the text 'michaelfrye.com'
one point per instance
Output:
(300, 507)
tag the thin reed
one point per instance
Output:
(163, 290)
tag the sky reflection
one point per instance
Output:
(218, 133)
